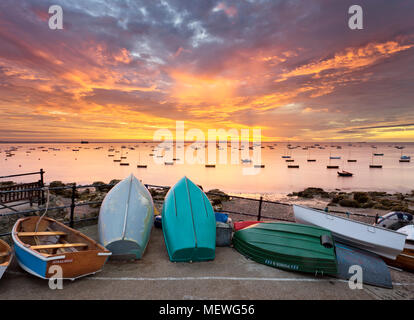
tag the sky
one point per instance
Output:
(120, 70)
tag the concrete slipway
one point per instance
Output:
(229, 276)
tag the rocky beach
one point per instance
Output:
(361, 206)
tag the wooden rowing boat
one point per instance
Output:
(384, 242)
(126, 218)
(39, 246)
(5, 257)
(405, 260)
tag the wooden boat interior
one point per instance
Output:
(5, 253)
(52, 237)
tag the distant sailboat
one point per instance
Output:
(309, 159)
(288, 153)
(349, 157)
(374, 166)
(329, 166)
(139, 165)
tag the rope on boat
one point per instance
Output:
(44, 213)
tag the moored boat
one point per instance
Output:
(384, 242)
(126, 218)
(344, 173)
(5, 257)
(39, 245)
(288, 246)
(188, 223)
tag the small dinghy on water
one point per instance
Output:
(288, 246)
(188, 223)
(344, 173)
(384, 242)
(126, 218)
(41, 242)
(5, 257)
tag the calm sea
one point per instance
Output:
(92, 162)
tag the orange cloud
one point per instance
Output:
(195, 89)
(349, 60)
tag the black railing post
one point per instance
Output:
(259, 214)
(42, 184)
(72, 205)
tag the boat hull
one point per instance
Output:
(188, 223)
(125, 219)
(73, 264)
(386, 243)
(374, 270)
(288, 246)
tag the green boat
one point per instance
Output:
(288, 246)
(188, 223)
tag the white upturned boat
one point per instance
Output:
(384, 242)
(126, 218)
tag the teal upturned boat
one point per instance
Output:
(188, 223)
(288, 246)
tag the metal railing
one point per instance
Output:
(74, 192)
(28, 190)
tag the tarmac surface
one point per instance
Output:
(229, 276)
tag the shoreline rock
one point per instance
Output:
(365, 200)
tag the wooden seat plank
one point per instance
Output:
(59, 245)
(41, 233)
